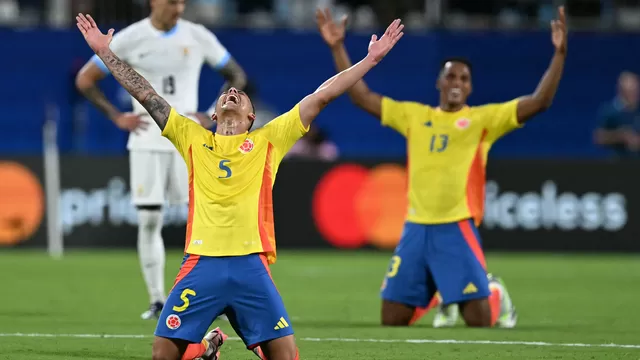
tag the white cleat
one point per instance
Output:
(447, 316)
(153, 312)
(508, 316)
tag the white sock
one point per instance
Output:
(151, 253)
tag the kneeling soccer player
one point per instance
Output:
(230, 232)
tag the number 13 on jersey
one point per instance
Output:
(438, 142)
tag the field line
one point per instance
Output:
(406, 341)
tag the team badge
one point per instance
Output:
(463, 123)
(246, 146)
(173, 321)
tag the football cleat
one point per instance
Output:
(447, 316)
(215, 338)
(508, 315)
(153, 312)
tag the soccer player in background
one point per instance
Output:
(230, 234)
(169, 52)
(440, 248)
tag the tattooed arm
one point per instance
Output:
(87, 83)
(133, 82)
(137, 86)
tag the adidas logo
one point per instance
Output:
(470, 289)
(282, 324)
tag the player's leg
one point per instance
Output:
(407, 286)
(178, 184)
(497, 308)
(148, 172)
(459, 269)
(257, 312)
(198, 296)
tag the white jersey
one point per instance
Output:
(171, 61)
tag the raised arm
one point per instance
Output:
(333, 34)
(311, 105)
(541, 99)
(133, 82)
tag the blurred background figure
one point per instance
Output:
(619, 119)
(314, 146)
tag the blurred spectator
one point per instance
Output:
(314, 145)
(619, 127)
(121, 12)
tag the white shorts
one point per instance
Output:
(157, 177)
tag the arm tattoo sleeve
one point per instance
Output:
(138, 87)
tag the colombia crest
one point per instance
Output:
(463, 123)
(246, 146)
(173, 321)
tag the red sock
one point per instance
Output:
(195, 351)
(494, 303)
(420, 312)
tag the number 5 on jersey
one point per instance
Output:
(227, 170)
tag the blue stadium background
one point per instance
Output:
(40, 66)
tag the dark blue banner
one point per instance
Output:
(39, 69)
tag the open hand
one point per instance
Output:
(94, 37)
(331, 32)
(379, 48)
(130, 122)
(559, 31)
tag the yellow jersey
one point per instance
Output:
(447, 153)
(230, 183)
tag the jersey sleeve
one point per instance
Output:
(215, 53)
(182, 131)
(501, 118)
(121, 45)
(398, 115)
(284, 131)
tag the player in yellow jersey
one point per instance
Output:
(440, 249)
(230, 232)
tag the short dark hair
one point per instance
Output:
(459, 60)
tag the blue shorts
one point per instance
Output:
(446, 257)
(239, 286)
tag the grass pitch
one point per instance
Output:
(87, 306)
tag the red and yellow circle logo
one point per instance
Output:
(354, 205)
(22, 205)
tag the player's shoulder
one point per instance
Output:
(136, 27)
(193, 28)
(489, 107)
(407, 104)
(134, 32)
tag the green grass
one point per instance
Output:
(560, 299)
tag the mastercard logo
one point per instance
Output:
(22, 205)
(354, 206)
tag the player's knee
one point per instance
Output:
(160, 354)
(476, 313)
(165, 349)
(281, 349)
(149, 219)
(395, 314)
